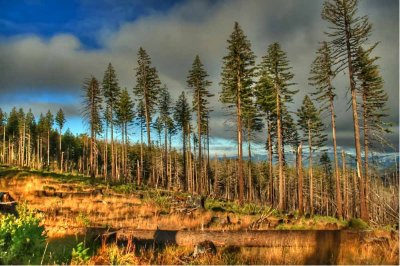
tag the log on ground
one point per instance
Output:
(259, 238)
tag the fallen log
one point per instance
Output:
(255, 238)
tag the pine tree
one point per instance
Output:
(182, 117)
(321, 77)
(289, 132)
(111, 93)
(164, 109)
(92, 115)
(266, 102)
(313, 130)
(158, 125)
(348, 32)
(60, 120)
(21, 138)
(49, 121)
(31, 131)
(236, 81)
(252, 123)
(276, 65)
(141, 120)
(198, 83)
(373, 105)
(125, 116)
(147, 87)
(41, 131)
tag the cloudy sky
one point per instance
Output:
(47, 49)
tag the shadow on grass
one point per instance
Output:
(9, 172)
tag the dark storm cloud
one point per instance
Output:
(173, 38)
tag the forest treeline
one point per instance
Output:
(258, 98)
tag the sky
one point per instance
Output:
(48, 48)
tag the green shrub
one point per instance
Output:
(246, 209)
(356, 223)
(22, 240)
(163, 202)
(125, 188)
(80, 254)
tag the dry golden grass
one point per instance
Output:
(383, 253)
(78, 208)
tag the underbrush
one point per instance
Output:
(22, 239)
(358, 224)
(233, 207)
(167, 255)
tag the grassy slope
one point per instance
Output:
(129, 206)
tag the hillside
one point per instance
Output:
(74, 210)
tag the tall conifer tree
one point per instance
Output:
(198, 83)
(124, 116)
(373, 105)
(313, 131)
(147, 88)
(60, 120)
(276, 66)
(348, 32)
(92, 114)
(321, 77)
(111, 92)
(182, 117)
(236, 81)
(49, 121)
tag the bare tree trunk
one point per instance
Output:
(208, 155)
(141, 153)
(48, 149)
(38, 153)
(200, 159)
(106, 153)
(346, 186)
(165, 181)
(363, 207)
(250, 189)
(216, 189)
(271, 172)
(239, 140)
(338, 193)
(184, 179)
(41, 151)
(61, 153)
(23, 144)
(281, 205)
(147, 116)
(113, 163)
(138, 172)
(300, 178)
(356, 210)
(4, 144)
(366, 152)
(310, 171)
(29, 149)
(126, 165)
(190, 176)
(92, 172)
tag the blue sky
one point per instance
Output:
(80, 18)
(47, 49)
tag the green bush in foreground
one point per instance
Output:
(22, 240)
(80, 254)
